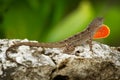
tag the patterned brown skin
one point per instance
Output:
(70, 43)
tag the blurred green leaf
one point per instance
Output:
(73, 23)
(23, 22)
(50, 21)
(112, 19)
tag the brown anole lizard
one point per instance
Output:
(70, 43)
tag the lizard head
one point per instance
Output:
(95, 25)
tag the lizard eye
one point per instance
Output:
(88, 28)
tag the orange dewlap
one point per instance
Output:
(102, 32)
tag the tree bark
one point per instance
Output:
(36, 63)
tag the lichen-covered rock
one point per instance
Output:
(36, 63)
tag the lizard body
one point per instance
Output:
(70, 43)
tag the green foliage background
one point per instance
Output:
(55, 20)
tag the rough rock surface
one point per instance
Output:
(36, 63)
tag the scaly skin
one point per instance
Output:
(70, 43)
